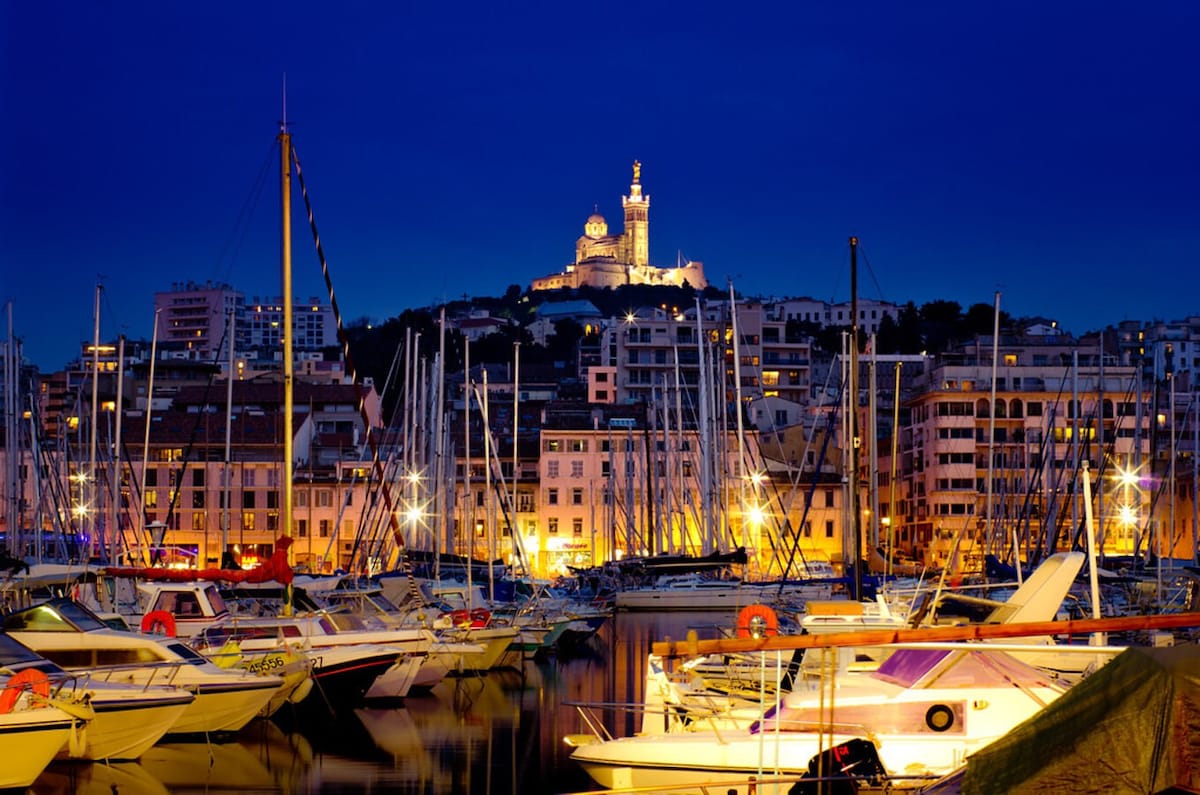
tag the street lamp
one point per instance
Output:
(1129, 509)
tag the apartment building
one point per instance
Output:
(1056, 406)
(659, 356)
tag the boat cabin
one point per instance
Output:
(192, 605)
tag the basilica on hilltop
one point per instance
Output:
(604, 260)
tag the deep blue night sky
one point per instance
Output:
(1046, 150)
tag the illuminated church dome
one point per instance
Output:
(596, 227)
(604, 260)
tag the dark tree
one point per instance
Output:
(941, 324)
(979, 319)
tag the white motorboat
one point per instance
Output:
(125, 719)
(376, 611)
(286, 660)
(73, 637)
(199, 611)
(319, 634)
(32, 735)
(695, 592)
(925, 709)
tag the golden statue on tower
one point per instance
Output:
(637, 170)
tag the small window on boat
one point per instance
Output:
(187, 605)
(188, 653)
(215, 599)
(13, 652)
(134, 656)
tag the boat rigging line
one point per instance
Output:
(344, 340)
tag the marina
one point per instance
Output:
(489, 733)
(613, 528)
(506, 731)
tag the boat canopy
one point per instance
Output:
(1129, 727)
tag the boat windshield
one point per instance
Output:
(59, 615)
(907, 666)
(13, 653)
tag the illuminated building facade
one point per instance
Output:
(613, 260)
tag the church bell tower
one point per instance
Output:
(637, 221)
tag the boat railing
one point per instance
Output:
(162, 672)
(677, 717)
(753, 785)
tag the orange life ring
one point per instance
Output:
(29, 678)
(159, 622)
(757, 621)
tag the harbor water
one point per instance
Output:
(495, 733)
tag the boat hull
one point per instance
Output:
(31, 738)
(124, 729)
(225, 708)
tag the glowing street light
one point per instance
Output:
(1127, 515)
(1128, 477)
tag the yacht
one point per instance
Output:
(697, 592)
(33, 734)
(926, 710)
(72, 636)
(337, 644)
(125, 719)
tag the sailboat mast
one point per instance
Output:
(285, 151)
(516, 433)
(226, 472)
(144, 529)
(88, 500)
(115, 486)
(852, 419)
(739, 471)
(992, 542)
(13, 455)
(706, 502)
(468, 506)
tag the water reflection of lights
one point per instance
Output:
(212, 766)
(80, 778)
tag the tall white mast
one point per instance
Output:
(115, 508)
(468, 507)
(89, 503)
(706, 501)
(439, 490)
(489, 512)
(146, 438)
(13, 456)
(739, 471)
(991, 543)
(516, 432)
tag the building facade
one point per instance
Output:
(611, 260)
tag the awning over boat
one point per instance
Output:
(1133, 726)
